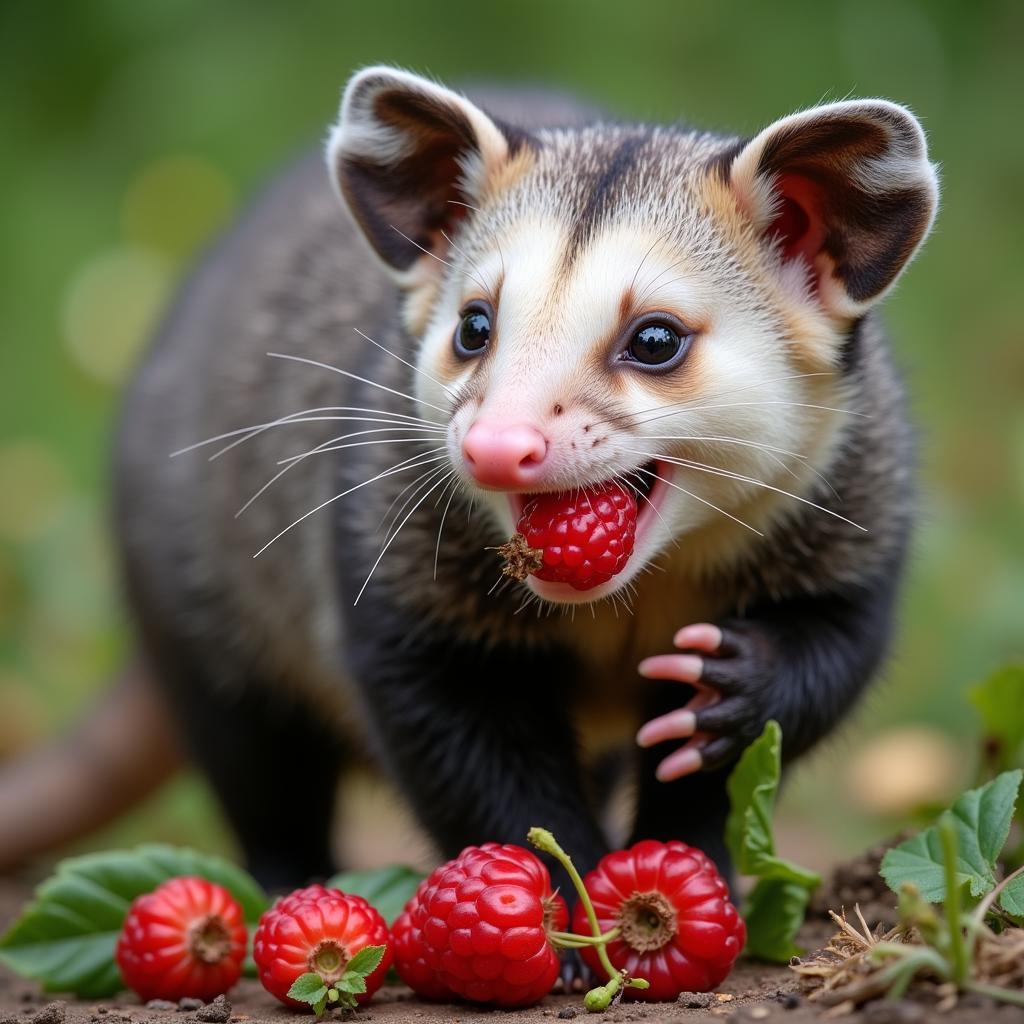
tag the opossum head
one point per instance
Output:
(667, 308)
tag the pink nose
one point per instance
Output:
(506, 455)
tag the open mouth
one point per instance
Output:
(647, 483)
(647, 486)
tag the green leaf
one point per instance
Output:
(65, 937)
(999, 700)
(982, 818)
(366, 961)
(1011, 899)
(354, 983)
(776, 907)
(753, 787)
(774, 912)
(308, 988)
(388, 889)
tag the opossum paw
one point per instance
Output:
(731, 673)
(575, 975)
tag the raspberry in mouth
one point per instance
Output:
(582, 537)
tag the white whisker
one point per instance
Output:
(325, 446)
(444, 515)
(469, 259)
(657, 512)
(331, 446)
(422, 482)
(698, 403)
(303, 417)
(401, 467)
(728, 474)
(388, 543)
(434, 256)
(739, 405)
(768, 449)
(354, 376)
(405, 362)
(703, 501)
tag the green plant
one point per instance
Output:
(955, 863)
(999, 701)
(777, 905)
(65, 937)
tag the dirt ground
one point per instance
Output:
(753, 992)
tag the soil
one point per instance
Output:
(753, 992)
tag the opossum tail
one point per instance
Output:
(122, 750)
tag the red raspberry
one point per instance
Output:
(678, 928)
(185, 939)
(317, 930)
(411, 958)
(478, 928)
(584, 537)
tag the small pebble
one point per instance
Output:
(894, 1011)
(101, 1010)
(695, 1000)
(788, 1000)
(217, 1012)
(566, 1013)
(188, 1004)
(161, 1004)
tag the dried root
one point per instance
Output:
(860, 964)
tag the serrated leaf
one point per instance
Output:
(65, 937)
(775, 910)
(366, 961)
(982, 819)
(388, 889)
(308, 988)
(999, 700)
(353, 983)
(1011, 899)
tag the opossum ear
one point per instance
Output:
(848, 189)
(404, 155)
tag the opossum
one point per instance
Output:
(525, 298)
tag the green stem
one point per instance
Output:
(571, 938)
(978, 918)
(958, 950)
(600, 998)
(546, 842)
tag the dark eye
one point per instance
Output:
(473, 332)
(654, 344)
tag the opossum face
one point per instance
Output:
(665, 309)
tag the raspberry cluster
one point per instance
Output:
(478, 928)
(582, 538)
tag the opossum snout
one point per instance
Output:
(505, 455)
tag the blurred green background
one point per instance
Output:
(132, 132)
